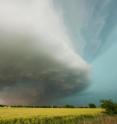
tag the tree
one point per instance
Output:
(109, 106)
(69, 106)
(2, 105)
(92, 105)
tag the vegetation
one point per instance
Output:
(109, 106)
(67, 114)
(92, 105)
(43, 106)
(63, 120)
(9, 115)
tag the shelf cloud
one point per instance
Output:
(38, 63)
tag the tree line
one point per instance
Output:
(50, 106)
(109, 106)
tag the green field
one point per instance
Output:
(51, 116)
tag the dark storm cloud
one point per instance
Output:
(30, 77)
(37, 62)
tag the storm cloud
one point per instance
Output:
(38, 63)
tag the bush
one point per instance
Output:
(91, 105)
(69, 106)
(110, 106)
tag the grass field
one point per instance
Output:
(53, 116)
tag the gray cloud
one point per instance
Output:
(37, 62)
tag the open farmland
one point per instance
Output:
(51, 116)
(10, 113)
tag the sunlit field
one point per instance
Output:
(10, 115)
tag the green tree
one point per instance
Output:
(69, 106)
(92, 105)
(110, 106)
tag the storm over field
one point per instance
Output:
(47, 47)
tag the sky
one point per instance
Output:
(57, 51)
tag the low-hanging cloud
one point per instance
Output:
(37, 61)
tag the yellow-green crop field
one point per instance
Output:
(10, 113)
(46, 115)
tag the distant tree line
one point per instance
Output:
(109, 106)
(50, 106)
